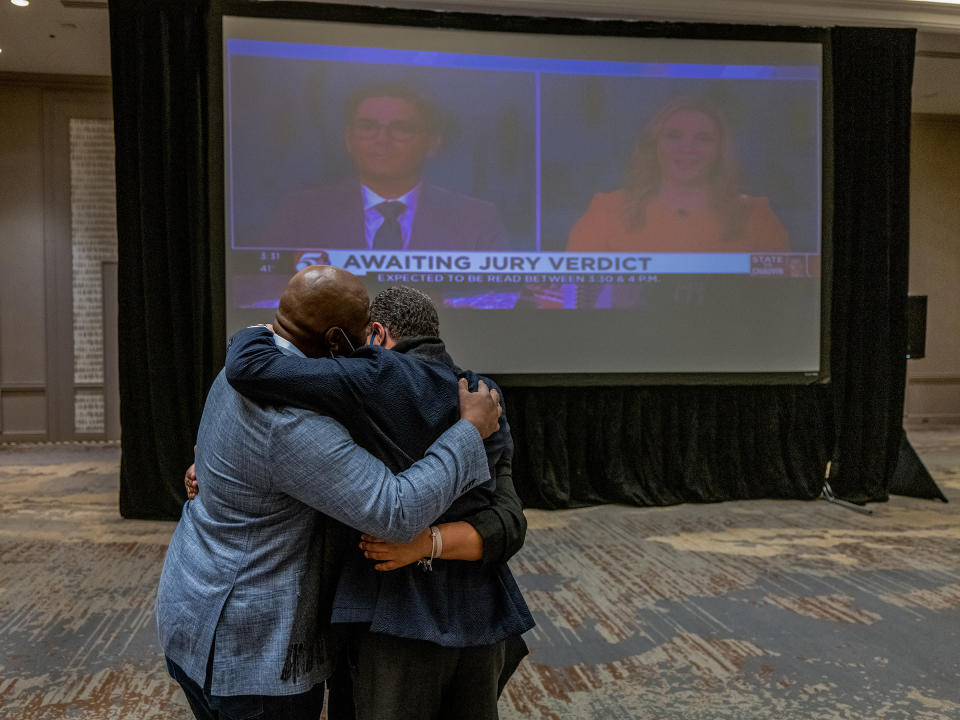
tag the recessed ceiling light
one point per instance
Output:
(20, 3)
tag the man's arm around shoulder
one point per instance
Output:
(317, 462)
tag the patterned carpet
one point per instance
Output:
(741, 610)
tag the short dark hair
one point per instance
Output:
(405, 312)
(428, 112)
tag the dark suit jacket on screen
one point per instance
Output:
(331, 217)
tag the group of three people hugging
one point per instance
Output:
(262, 598)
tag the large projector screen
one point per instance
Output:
(572, 203)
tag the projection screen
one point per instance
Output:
(571, 203)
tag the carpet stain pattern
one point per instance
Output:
(746, 610)
(741, 610)
(77, 584)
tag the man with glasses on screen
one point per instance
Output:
(391, 132)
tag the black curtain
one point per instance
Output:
(872, 76)
(667, 445)
(167, 315)
(575, 446)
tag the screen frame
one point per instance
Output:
(535, 25)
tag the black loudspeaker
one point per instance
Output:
(916, 326)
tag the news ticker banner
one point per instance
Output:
(556, 266)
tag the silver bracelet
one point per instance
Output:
(436, 547)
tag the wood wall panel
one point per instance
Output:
(933, 382)
(22, 337)
(24, 415)
(933, 398)
(36, 349)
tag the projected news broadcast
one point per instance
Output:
(571, 204)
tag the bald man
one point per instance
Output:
(246, 569)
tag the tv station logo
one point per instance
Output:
(779, 265)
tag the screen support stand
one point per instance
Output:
(827, 494)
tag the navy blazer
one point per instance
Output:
(395, 402)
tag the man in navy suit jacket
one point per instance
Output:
(391, 132)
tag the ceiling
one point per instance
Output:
(47, 37)
(71, 37)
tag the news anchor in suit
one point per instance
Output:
(391, 132)
(240, 605)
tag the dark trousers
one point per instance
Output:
(399, 679)
(340, 692)
(305, 706)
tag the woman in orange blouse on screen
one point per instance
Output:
(682, 194)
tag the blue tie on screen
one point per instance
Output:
(389, 235)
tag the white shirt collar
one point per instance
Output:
(373, 219)
(371, 199)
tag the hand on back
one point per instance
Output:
(481, 408)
